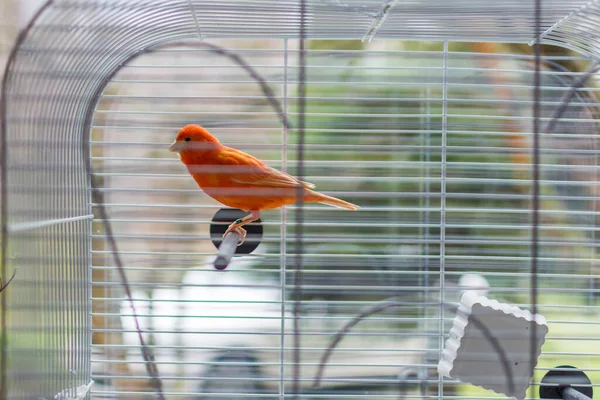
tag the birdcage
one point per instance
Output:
(466, 131)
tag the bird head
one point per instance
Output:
(195, 138)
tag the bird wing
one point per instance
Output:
(258, 173)
(271, 177)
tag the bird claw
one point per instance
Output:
(241, 232)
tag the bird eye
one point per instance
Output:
(187, 139)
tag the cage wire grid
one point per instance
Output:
(76, 79)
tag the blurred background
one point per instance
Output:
(432, 140)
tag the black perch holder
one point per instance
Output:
(566, 382)
(228, 246)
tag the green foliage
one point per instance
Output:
(336, 45)
(370, 127)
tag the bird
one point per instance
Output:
(239, 180)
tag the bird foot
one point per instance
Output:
(241, 232)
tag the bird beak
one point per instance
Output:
(176, 147)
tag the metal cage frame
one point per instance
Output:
(92, 40)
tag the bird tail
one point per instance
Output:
(332, 201)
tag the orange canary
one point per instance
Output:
(239, 180)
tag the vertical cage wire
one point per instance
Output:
(535, 177)
(442, 235)
(283, 246)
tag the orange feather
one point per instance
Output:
(239, 180)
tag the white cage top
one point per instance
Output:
(461, 20)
